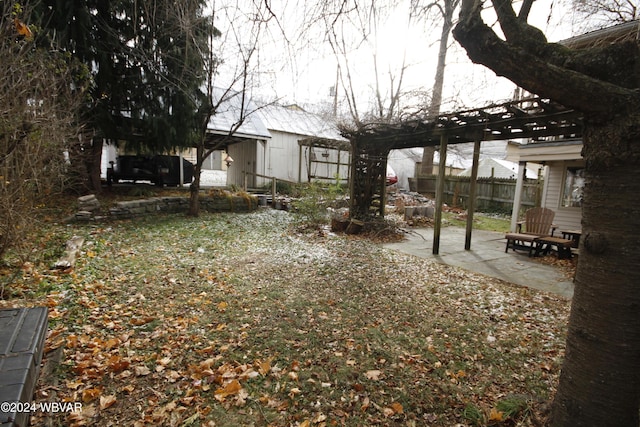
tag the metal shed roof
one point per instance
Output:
(230, 111)
(296, 121)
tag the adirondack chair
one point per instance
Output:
(538, 222)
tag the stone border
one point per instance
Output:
(172, 204)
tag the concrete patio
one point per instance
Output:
(487, 256)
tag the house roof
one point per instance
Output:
(260, 120)
(550, 151)
(296, 121)
(231, 110)
(613, 34)
(497, 168)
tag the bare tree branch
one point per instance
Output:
(530, 68)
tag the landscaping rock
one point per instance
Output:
(88, 203)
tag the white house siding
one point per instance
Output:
(565, 218)
(557, 156)
(245, 154)
(283, 156)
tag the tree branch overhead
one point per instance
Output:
(546, 69)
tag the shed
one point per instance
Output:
(305, 146)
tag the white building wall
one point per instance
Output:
(245, 160)
(262, 148)
(565, 218)
(286, 160)
(283, 155)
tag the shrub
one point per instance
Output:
(38, 127)
(313, 202)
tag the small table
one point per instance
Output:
(573, 235)
(563, 246)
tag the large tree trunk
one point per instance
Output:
(93, 165)
(600, 379)
(426, 167)
(599, 384)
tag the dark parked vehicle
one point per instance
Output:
(160, 170)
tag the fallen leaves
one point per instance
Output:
(495, 415)
(313, 331)
(142, 371)
(107, 401)
(91, 394)
(139, 321)
(396, 408)
(230, 389)
(373, 375)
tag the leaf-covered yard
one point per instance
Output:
(240, 320)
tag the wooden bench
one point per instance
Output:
(521, 241)
(538, 223)
(562, 246)
(22, 335)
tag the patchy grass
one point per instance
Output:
(481, 221)
(230, 319)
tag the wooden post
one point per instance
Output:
(349, 164)
(471, 204)
(352, 178)
(383, 185)
(439, 194)
(273, 192)
(300, 151)
(311, 151)
(517, 198)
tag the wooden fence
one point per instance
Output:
(492, 194)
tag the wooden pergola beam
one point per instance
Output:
(532, 118)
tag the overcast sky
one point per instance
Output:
(297, 65)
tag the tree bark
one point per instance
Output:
(600, 379)
(541, 74)
(426, 167)
(94, 165)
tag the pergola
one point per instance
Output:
(339, 146)
(531, 118)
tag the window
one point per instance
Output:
(573, 187)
